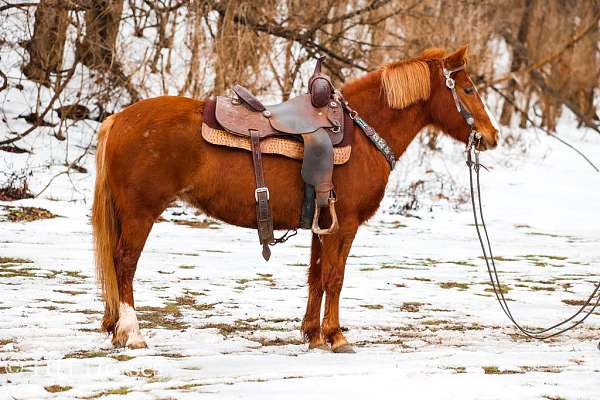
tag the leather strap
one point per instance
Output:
(369, 131)
(248, 98)
(308, 207)
(377, 140)
(264, 219)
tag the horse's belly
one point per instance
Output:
(225, 187)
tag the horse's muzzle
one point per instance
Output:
(488, 142)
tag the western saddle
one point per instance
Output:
(316, 118)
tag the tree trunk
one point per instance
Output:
(583, 62)
(48, 41)
(102, 19)
(516, 63)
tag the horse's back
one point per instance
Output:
(156, 111)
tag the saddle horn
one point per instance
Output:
(318, 65)
(320, 86)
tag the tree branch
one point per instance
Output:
(4, 81)
(540, 81)
(589, 29)
(17, 5)
(57, 92)
(306, 38)
(526, 115)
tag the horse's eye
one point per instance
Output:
(469, 90)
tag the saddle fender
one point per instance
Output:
(317, 165)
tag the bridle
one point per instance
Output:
(472, 153)
(451, 84)
(474, 136)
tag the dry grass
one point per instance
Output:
(122, 357)
(574, 302)
(14, 260)
(86, 354)
(167, 317)
(411, 306)
(57, 388)
(492, 370)
(454, 285)
(372, 306)
(504, 289)
(117, 391)
(26, 214)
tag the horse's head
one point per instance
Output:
(442, 85)
(455, 102)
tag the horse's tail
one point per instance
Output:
(106, 229)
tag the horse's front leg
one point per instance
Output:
(335, 252)
(311, 325)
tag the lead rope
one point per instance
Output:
(473, 153)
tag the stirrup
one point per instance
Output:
(334, 221)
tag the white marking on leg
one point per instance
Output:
(127, 332)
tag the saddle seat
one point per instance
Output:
(296, 116)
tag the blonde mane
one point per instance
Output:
(407, 82)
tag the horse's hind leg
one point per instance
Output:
(311, 325)
(134, 232)
(335, 249)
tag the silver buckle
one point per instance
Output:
(261, 190)
(450, 84)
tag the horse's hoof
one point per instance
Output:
(132, 342)
(344, 348)
(136, 344)
(321, 346)
(119, 341)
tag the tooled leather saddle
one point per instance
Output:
(317, 118)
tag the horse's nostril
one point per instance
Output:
(491, 139)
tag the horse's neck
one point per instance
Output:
(397, 127)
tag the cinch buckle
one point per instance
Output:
(261, 190)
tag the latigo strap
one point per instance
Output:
(264, 219)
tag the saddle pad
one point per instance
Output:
(270, 145)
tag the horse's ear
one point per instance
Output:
(457, 58)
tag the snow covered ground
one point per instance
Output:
(222, 323)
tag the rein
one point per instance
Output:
(474, 165)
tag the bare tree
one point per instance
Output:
(47, 43)
(264, 44)
(102, 19)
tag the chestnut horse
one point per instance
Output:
(152, 153)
